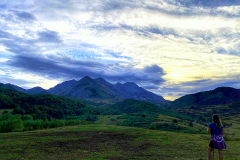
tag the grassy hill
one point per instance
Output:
(43, 106)
(135, 106)
(102, 141)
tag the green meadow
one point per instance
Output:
(106, 140)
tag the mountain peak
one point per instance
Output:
(86, 78)
(131, 84)
(36, 87)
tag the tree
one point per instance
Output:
(190, 124)
(175, 121)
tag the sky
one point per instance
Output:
(169, 47)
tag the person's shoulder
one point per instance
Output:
(210, 125)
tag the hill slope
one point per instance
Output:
(101, 90)
(221, 95)
(36, 91)
(134, 106)
(42, 106)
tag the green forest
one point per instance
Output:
(31, 112)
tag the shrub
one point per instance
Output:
(190, 124)
(56, 123)
(15, 125)
(27, 117)
(113, 119)
(175, 121)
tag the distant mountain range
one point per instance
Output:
(32, 91)
(98, 90)
(220, 95)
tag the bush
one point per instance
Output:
(15, 125)
(73, 122)
(175, 121)
(27, 117)
(30, 125)
(190, 124)
(56, 123)
(113, 119)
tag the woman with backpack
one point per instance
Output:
(217, 141)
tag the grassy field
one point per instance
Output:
(103, 140)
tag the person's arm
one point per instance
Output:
(222, 132)
(209, 130)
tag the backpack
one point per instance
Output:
(218, 141)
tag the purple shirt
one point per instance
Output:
(214, 129)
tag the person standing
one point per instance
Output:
(217, 141)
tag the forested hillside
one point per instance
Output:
(43, 106)
(221, 95)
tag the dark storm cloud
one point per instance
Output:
(182, 89)
(19, 45)
(153, 69)
(14, 81)
(49, 37)
(61, 67)
(208, 3)
(24, 15)
(49, 68)
(28, 59)
(203, 80)
(6, 35)
(151, 87)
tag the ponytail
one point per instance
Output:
(217, 121)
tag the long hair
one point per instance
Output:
(216, 119)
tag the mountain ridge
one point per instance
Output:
(220, 95)
(98, 90)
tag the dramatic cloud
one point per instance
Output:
(49, 36)
(24, 15)
(64, 68)
(171, 47)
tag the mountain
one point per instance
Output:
(221, 95)
(133, 91)
(32, 91)
(94, 91)
(6, 86)
(36, 91)
(87, 89)
(17, 88)
(60, 88)
(100, 90)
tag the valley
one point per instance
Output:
(96, 127)
(102, 140)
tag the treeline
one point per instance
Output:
(235, 105)
(151, 121)
(45, 106)
(18, 123)
(134, 106)
(143, 114)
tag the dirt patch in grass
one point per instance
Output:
(112, 141)
(84, 142)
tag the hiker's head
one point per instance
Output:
(216, 119)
